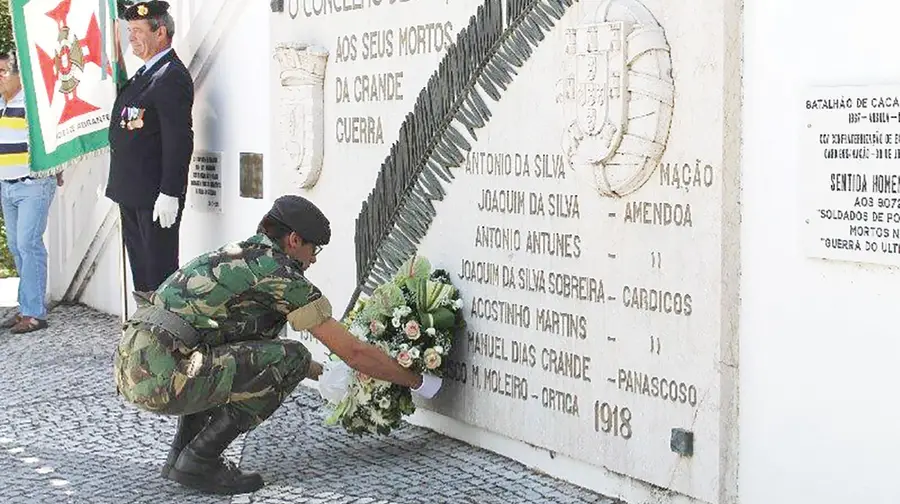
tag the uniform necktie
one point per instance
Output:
(140, 71)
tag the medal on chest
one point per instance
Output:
(132, 118)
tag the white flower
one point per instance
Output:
(404, 359)
(376, 418)
(376, 327)
(357, 331)
(395, 321)
(401, 311)
(439, 349)
(432, 358)
(457, 304)
(431, 331)
(414, 352)
(411, 329)
(363, 396)
(384, 402)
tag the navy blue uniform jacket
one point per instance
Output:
(156, 156)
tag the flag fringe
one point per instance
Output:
(53, 171)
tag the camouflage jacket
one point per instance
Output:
(242, 291)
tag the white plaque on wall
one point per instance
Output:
(205, 182)
(851, 173)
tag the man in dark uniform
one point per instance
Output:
(151, 141)
(206, 348)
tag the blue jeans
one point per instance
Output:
(26, 205)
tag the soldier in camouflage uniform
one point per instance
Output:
(204, 346)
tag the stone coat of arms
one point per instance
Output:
(618, 94)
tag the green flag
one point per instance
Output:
(66, 52)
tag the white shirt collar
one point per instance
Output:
(156, 57)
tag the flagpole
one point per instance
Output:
(123, 272)
(118, 61)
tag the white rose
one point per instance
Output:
(411, 329)
(432, 359)
(404, 359)
(431, 331)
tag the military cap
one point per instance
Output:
(303, 217)
(145, 10)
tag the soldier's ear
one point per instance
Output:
(292, 240)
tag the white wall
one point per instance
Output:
(231, 115)
(819, 346)
(818, 353)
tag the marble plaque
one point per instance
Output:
(851, 173)
(592, 226)
(592, 234)
(205, 182)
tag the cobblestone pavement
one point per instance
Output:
(65, 437)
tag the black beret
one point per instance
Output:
(144, 10)
(305, 218)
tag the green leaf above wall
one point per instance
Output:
(398, 212)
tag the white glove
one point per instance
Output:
(165, 210)
(334, 381)
(430, 386)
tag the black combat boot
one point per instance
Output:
(188, 427)
(202, 466)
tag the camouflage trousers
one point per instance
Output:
(156, 373)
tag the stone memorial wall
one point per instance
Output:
(589, 216)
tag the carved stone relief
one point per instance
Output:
(300, 107)
(618, 94)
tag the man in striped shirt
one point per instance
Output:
(25, 200)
